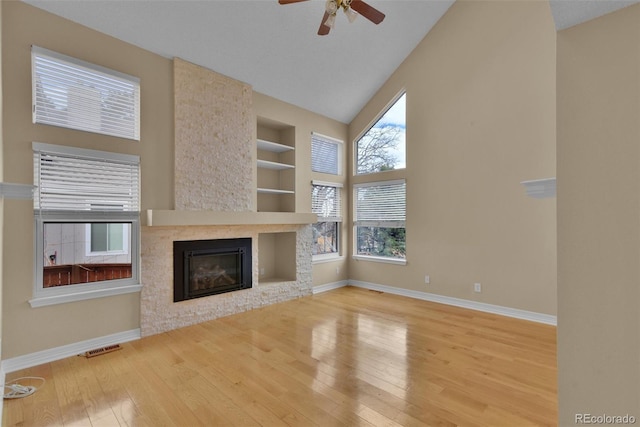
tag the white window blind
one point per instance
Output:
(381, 204)
(71, 179)
(75, 94)
(326, 202)
(325, 154)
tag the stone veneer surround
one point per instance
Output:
(158, 311)
(214, 145)
(215, 155)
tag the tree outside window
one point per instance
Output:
(380, 214)
(382, 147)
(326, 203)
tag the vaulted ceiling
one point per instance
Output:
(275, 48)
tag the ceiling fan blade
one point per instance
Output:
(324, 29)
(369, 12)
(290, 1)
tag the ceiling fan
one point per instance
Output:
(350, 7)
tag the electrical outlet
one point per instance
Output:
(262, 271)
(427, 279)
(337, 271)
(477, 287)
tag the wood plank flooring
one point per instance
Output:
(349, 357)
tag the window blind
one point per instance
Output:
(325, 154)
(71, 179)
(381, 204)
(326, 203)
(75, 94)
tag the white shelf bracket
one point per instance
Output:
(540, 188)
(16, 191)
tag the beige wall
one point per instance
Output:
(598, 216)
(480, 119)
(27, 329)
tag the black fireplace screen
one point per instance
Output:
(209, 267)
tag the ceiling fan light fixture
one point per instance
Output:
(351, 8)
(331, 21)
(351, 14)
(332, 7)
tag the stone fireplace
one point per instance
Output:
(215, 199)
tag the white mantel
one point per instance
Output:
(156, 218)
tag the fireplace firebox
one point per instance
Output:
(209, 267)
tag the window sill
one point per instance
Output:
(43, 301)
(387, 260)
(321, 259)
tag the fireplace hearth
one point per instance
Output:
(209, 267)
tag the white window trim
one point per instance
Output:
(369, 126)
(37, 51)
(340, 144)
(373, 258)
(43, 301)
(63, 294)
(325, 258)
(335, 256)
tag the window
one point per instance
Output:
(326, 203)
(107, 238)
(380, 214)
(86, 209)
(326, 154)
(74, 94)
(382, 147)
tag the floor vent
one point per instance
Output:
(102, 350)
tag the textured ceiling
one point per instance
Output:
(275, 48)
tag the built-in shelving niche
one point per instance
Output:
(276, 257)
(276, 160)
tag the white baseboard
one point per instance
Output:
(457, 302)
(45, 356)
(329, 286)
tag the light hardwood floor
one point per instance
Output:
(346, 357)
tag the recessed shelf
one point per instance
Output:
(265, 164)
(274, 147)
(276, 166)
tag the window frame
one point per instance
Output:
(122, 90)
(377, 258)
(372, 124)
(62, 294)
(339, 152)
(89, 241)
(338, 220)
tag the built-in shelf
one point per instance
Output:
(277, 260)
(276, 166)
(159, 218)
(265, 164)
(273, 147)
